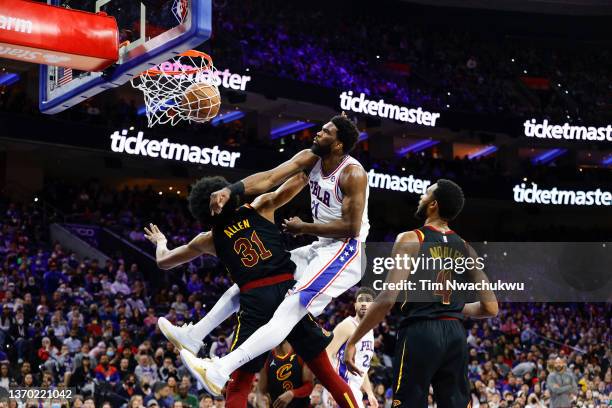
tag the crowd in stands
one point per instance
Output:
(395, 55)
(92, 325)
(88, 325)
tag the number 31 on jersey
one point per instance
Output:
(251, 250)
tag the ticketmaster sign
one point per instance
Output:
(359, 104)
(138, 145)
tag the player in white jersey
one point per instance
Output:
(325, 269)
(329, 266)
(365, 349)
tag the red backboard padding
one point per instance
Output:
(44, 34)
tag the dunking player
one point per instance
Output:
(431, 346)
(364, 349)
(286, 379)
(326, 268)
(250, 245)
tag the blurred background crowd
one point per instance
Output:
(92, 325)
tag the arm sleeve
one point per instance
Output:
(303, 391)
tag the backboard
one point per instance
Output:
(153, 31)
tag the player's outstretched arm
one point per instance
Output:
(353, 184)
(168, 259)
(487, 306)
(262, 182)
(342, 332)
(267, 203)
(407, 243)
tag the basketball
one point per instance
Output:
(202, 100)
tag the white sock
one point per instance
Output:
(227, 305)
(268, 336)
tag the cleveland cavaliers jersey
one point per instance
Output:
(326, 197)
(363, 356)
(250, 246)
(284, 374)
(445, 303)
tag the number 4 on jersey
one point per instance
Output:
(443, 277)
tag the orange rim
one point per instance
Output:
(189, 53)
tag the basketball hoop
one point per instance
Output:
(184, 88)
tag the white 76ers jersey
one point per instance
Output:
(363, 356)
(326, 197)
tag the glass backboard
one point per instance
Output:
(151, 32)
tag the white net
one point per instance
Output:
(184, 88)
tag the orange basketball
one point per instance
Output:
(202, 101)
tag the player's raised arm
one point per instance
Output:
(406, 243)
(353, 185)
(168, 259)
(487, 306)
(267, 203)
(262, 182)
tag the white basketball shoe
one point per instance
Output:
(180, 336)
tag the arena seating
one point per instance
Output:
(57, 309)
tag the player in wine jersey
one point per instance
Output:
(364, 349)
(286, 379)
(328, 267)
(431, 347)
(251, 247)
